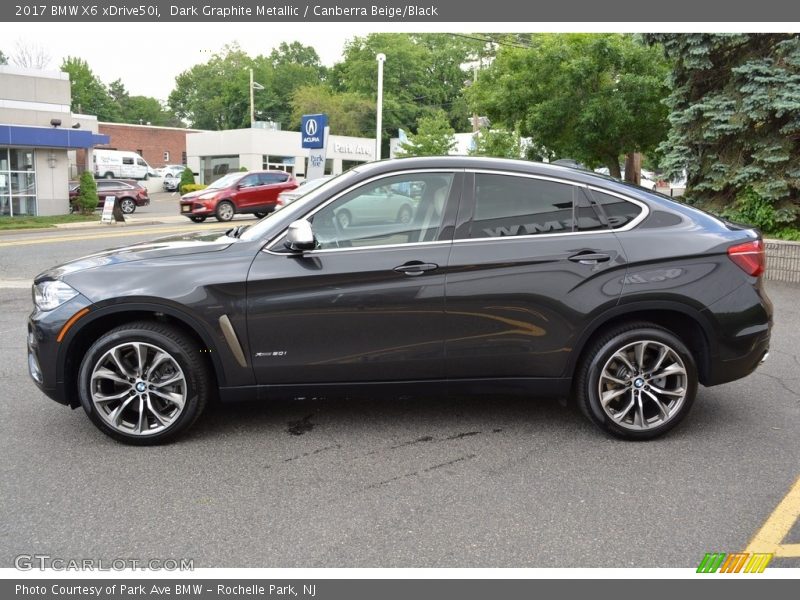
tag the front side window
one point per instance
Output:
(508, 205)
(403, 209)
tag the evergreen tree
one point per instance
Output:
(735, 116)
(87, 199)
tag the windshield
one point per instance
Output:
(296, 209)
(226, 181)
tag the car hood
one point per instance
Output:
(195, 194)
(176, 245)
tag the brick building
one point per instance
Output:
(159, 146)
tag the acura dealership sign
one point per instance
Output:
(312, 129)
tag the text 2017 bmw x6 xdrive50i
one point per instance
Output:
(493, 276)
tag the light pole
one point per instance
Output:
(381, 58)
(253, 86)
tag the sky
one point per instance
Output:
(151, 55)
(148, 56)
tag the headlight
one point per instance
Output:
(48, 295)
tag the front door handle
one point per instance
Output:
(415, 268)
(589, 258)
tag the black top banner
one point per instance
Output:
(405, 11)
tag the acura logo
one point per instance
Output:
(311, 127)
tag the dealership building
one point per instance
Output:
(38, 137)
(212, 154)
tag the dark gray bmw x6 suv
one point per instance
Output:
(496, 276)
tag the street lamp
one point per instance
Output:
(254, 85)
(381, 58)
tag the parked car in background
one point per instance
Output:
(510, 276)
(129, 193)
(305, 186)
(253, 192)
(171, 175)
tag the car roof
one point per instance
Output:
(505, 164)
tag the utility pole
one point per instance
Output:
(381, 58)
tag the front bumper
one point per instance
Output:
(46, 354)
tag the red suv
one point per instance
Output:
(253, 192)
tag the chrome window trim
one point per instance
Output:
(634, 222)
(453, 171)
(645, 212)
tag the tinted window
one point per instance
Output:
(587, 216)
(506, 205)
(270, 178)
(141, 162)
(127, 161)
(619, 212)
(249, 181)
(403, 209)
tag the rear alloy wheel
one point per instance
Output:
(127, 205)
(637, 382)
(225, 211)
(143, 383)
(197, 219)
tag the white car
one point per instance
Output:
(171, 175)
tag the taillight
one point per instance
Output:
(749, 257)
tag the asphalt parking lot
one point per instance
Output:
(394, 482)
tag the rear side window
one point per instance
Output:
(619, 212)
(507, 205)
(127, 161)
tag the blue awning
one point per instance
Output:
(49, 137)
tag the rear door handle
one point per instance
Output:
(589, 258)
(415, 268)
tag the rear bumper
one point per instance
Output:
(725, 370)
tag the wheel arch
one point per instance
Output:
(98, 322)
(689, 325)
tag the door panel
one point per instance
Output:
(343, 316)
(367, 304)
(535, 264)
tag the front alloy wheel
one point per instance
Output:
(638, 382)
(143, 383)
(225, 211)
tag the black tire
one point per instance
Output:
(260, 214)
(197, 219)
(653, 421)
(225, 211)
(344, 219)
(182, 351)
(127, 206)
(108, 175)
(404, 214)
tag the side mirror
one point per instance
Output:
(300, 236)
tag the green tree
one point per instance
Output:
(89, 95)
(735, 116)
(423, 73)
(87, 199)
(500, 143)
(591, 97)
(348, 113)
(434, 137)
(187, 178)
(3, 58)
(216, 94)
